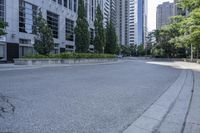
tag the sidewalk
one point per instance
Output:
(192, 124)
(178, 109)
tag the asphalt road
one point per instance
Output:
(80, 99)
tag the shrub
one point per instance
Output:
(70, 56)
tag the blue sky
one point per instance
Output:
(152, 4)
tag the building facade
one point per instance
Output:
(61, 17)
(141, 22)
(132, 21)
(108, 8)
(122, 21)
(163, 14)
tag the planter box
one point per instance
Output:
(61, 61)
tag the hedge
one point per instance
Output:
(70, 56)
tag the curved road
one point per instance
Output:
(80, 98)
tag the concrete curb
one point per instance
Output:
(174, 121)
(62, 61)
(154, 115)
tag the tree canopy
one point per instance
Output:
(99, 40)
(111, 38)
(82, 35)
(44, 42)
(183, 31)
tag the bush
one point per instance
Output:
(71, 56)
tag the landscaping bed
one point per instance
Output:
(65, 58)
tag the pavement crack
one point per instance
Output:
(6, 106)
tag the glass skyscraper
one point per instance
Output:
(141, 22)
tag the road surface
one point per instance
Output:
(80, 98)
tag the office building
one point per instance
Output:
(61, 17)
(132, 21)
(141, 22)
(164, 12)
(122, 28)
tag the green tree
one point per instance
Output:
(126, 50)
(140, 50)
(189, 4)
(99, 40)
(82, 35)
(111, 38)
(182, 35)
(44, 38)
(3, 25)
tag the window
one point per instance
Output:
(91, 36)
(69, 27)
(60, 2)
(24, 41)
(91, 10)
(70, 4)
(2, 51)
(65, 3)
(2, 10)
(27, 12)
(75, 5)
(52, 20)
(25, 50)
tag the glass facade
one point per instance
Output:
(91, 10)
(75, 5)
(25, 47)
(27, 12)
(2, 10)
(91, 36)
(70, 4)
(65, 3)
(25, 50)
(141, 21)
(2, 51)
(60, 2)
(2, 18)
(69, 27)
(52, 20)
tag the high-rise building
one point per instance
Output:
(108, 8)
(141, 22)
(61, 17)
(131, 21)
(122, 27)
(164, 12)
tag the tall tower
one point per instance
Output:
(122, 28)
(132, 22)
(108, 8)
(163, 14)
(141, 22)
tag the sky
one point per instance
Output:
(152, 5)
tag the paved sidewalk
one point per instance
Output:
(151, 119)
(193, 119)
(174, 120)
(182, 115)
